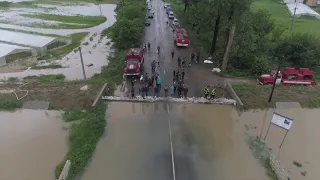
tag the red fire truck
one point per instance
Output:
(181, 37)
(134, 62)
(290, 76)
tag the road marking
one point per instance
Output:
(171, 146)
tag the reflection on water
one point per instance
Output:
(32, 143)
(208, 144)
(301, 143)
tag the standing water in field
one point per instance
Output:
(32, 143)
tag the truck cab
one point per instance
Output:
(134, 62)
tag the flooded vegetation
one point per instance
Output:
(299, 152)
(91, 20)
(33, 142)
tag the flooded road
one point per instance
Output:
(301, 143)
(207, 144)
(32, 142)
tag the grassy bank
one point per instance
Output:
(59, 53)
(261, 152)
(81, 21)
(282, 17)
(29, 32)
(83, 139)
(255, 96)
(6, 104)
(85, 135)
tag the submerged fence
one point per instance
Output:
(65, 171)
(280, 172)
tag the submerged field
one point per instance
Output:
(81, 22)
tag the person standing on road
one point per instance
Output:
(177, 75)
(182, 75)
(179, 90)
(175, 86)
(213, 93)
(206, 92)
(156, 91)
(185, 91)
(174, 74)
(166, 91)
(171, 91)
(179, 61)
(192, 56)
(158, 49)
(159, 81)
(146, 90)
(132, 82)
(149, 45)
(132, 92)
(172, 54)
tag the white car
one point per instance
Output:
(149, 8)
(171, 15)
(166, 5)
(175, 22)
(151, 11)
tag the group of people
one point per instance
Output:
(211, 92)
(149, 46)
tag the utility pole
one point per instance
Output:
(275, 79)
(293, 18)
(84, 72)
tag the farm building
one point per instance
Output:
(41, 44)
(12, 52)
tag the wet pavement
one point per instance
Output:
(159, 33)
(32, 142)
(206, 143)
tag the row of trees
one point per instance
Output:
(128, 30)
(246, 41)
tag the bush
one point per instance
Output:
(9, 104)
(52, 78)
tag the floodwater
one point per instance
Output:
(32, 142)
(207, 144)
(95, 53)
(301, 143)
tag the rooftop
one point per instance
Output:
(6, 49)
(25, 39)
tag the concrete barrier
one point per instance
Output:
(280, 172)
(95, 102)
(234, 96)
(193, 100)
(65, 171)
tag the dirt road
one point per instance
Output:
(206, 144)
(161, 34)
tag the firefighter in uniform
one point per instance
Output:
(206, 92)
(213, 93)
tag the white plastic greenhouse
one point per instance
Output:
(302, 10)
(36, 42)
(7, 50)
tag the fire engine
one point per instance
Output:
(134, 62)
(181, 37)
(290, 76)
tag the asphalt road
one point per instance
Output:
(161, 141)
(161, 34)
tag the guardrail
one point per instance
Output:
(65, 171)
(280, 172)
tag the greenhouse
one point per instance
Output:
(40, 43)
(302, 10)
(10, 53)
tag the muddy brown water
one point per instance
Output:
(32, 143)
(301, 144)
(208, 144)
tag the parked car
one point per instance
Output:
(150, 15)
(151, 11)
(149, 8)
(175, 22)
(171, 15)
(166, 5)
(148, 22)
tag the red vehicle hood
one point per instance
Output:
(132, 67)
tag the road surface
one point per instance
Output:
(205, 144)
(159, 33)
